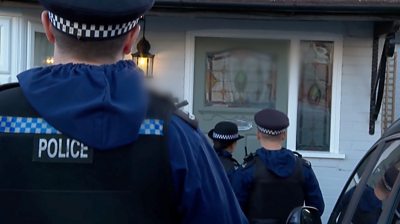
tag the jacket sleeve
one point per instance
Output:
(313, 194)
(202, 189)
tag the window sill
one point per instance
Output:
(322, 155)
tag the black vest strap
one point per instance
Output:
(272, 198)
(129, 184)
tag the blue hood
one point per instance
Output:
(101, 106)
(280, 162)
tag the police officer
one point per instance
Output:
(83, 141)
(275, 180)
(225, 134)
(370, 206)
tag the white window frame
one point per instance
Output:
(5, 49)
(294, 75)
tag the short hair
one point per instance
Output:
(88, 49)
(221, 145)
(272, 137)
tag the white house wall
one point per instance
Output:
(167, 39)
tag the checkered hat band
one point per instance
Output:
(225, 137)
(270, 132)
(31, 125)
(90, 31)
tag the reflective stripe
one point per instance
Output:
(152, 127)
(25, 125)
(32, 125)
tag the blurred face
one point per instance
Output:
(381, 194)
(232, 147)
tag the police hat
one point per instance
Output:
(271, 122)
(95, 20)
(225, 131)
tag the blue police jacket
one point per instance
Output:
(368, 209)
(71, 96)
(282, 163)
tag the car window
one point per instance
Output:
(379, 185)
(374, 191)
(341, 206)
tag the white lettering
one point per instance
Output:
(84, 150)
(42, 146)
(68, 148)
(52, 142)
(60, 153)
(76, 153)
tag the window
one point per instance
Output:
(231, 75)
(235, 77)
(315, 95)
(5, 45)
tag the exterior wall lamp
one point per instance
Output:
(143, 58)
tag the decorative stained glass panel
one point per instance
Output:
(241, 78)
(315, 95)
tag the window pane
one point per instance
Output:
(243, 73)
(43, 51)
(236, 77)
(241, 78)
(315, 95)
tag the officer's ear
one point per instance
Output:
(48, 28)
(131, 38)
(258, 136)
(283, 136)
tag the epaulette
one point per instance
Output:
(173, 103)
(9, 86)
(165, 98)
(297, 154)
(188, 118)
(306, 163)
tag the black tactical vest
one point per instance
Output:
(129, 184)
(229, 164)
(272, 198)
